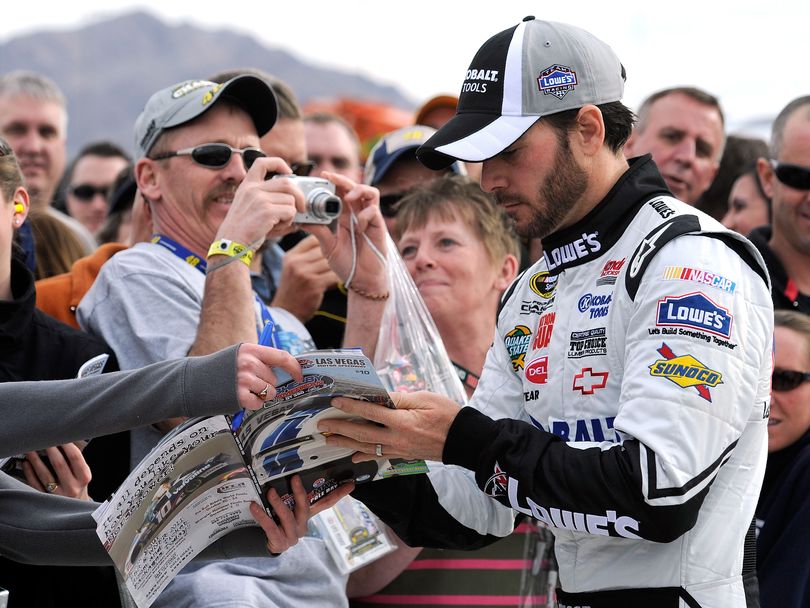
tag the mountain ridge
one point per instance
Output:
(108, 69)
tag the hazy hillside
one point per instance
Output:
(108, 69)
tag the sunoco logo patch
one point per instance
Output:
(686, 372)
(517, 343)
(557, 80)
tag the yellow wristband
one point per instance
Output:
(231, 249)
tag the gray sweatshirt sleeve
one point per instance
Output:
(39, 528)
(46, 529)
(40, 414)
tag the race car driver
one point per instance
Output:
(625, 396)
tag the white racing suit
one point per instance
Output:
(624, 403)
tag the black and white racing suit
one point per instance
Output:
(623, 403)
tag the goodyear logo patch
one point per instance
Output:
(517, 343)
(694, 310)
(557, 80)
(685, 371)
(696, 275)
(543, 284)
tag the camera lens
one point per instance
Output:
(332, 206)
(323, 204)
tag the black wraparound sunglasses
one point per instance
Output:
(793, 176)
(788, 379)
(302, 169)
(389, 204)
(215, 156)
(86, 192)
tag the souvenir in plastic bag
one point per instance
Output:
(410, 354)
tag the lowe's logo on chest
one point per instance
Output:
(694, 310)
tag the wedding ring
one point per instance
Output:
(378, 450)
(263, 394)
(51, 487)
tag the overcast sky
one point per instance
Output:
(752, 54)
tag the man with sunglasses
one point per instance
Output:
(783, 536)
(188, 292)
(785, 177)
(393, 169)
(291, 272)
(89, 179)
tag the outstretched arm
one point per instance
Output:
(90, 407)
(356, 253)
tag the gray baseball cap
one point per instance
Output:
(185, 101)
(533, 69)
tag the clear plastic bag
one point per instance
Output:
(410, 354)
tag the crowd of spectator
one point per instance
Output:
(103, 245)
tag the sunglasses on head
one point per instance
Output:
(86, 192)
(788, 379)
(215, 156)
(388, 204)
(793, 176)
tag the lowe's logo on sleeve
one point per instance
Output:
(694, 310)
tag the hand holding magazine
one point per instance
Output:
(197, 484)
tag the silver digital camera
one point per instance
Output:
(322, 205)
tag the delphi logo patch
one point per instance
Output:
(557, 80)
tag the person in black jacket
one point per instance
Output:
(783, 512)
(34, 346)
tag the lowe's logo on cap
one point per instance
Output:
(694, 310)
(557, 80)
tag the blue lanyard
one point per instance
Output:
(192, 259)
(268, 334)
(200, 264)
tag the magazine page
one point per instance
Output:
(353, 534)
(281, 438)
(192, 489)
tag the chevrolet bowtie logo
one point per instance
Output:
(588, 381)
